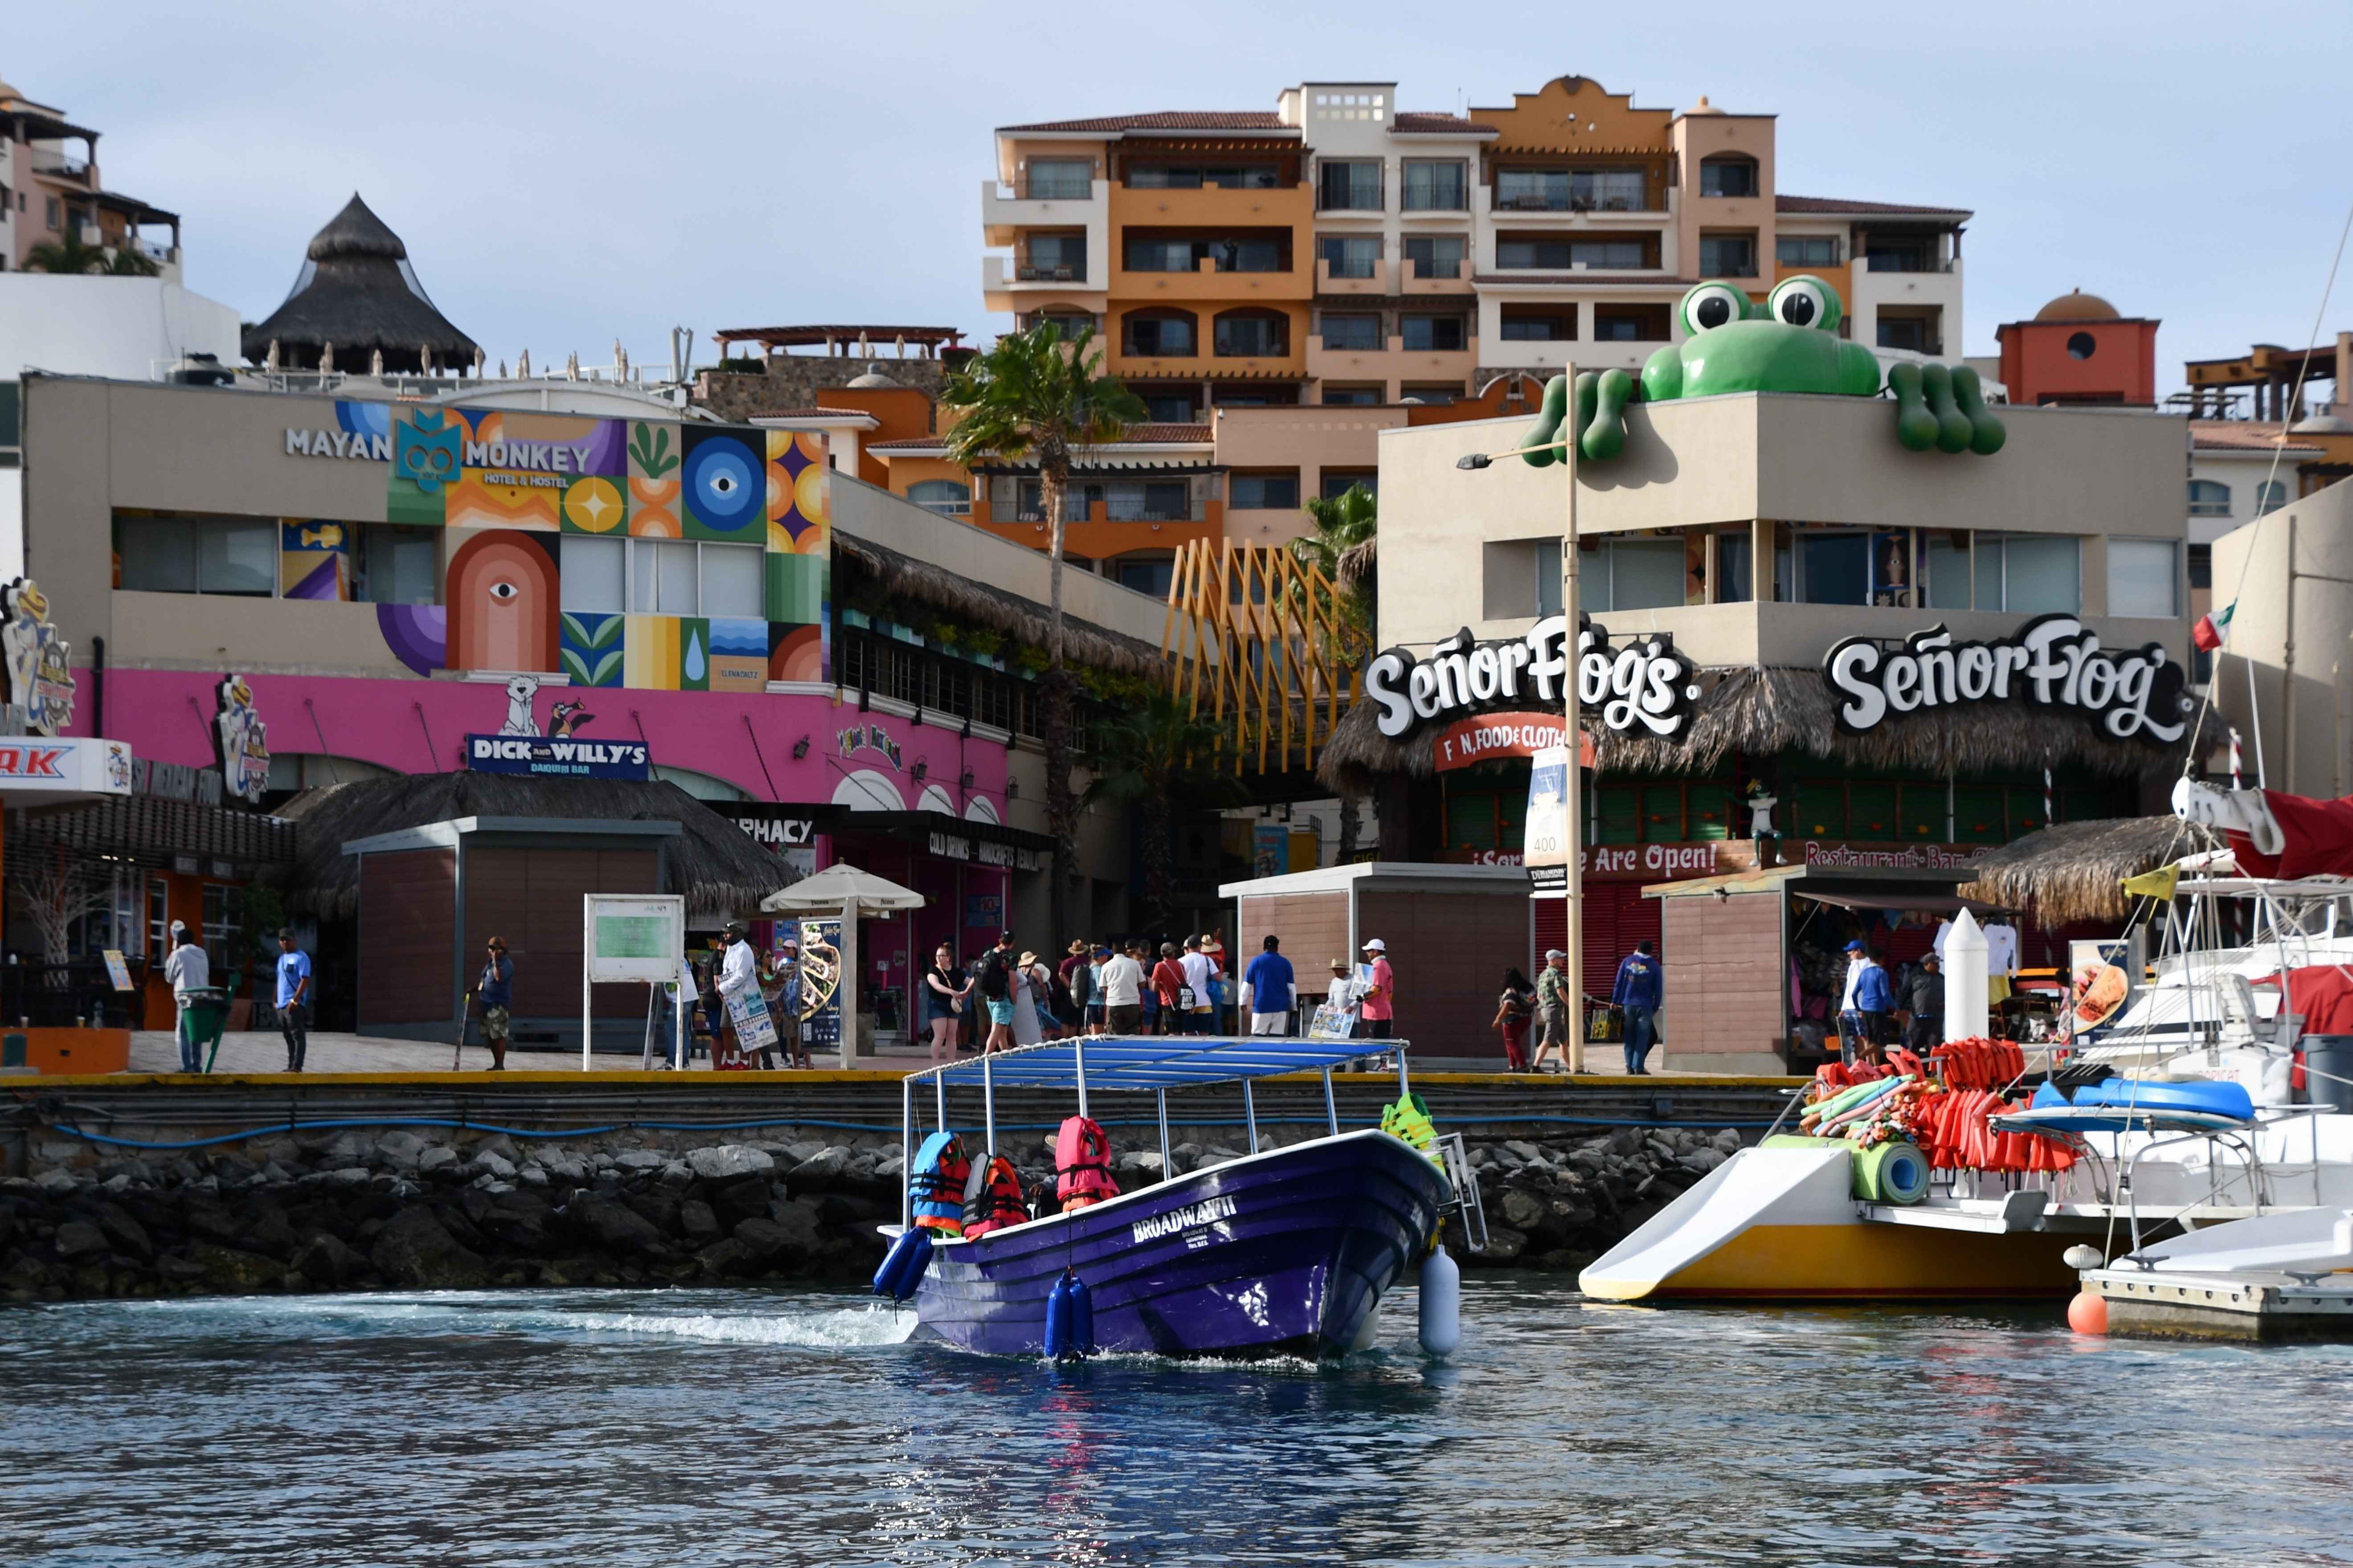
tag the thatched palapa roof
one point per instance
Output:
(1761, 711)
(358, 294)
(719, 868)
(2073, 871)
(997, 608)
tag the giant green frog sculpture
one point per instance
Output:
(1790, 344)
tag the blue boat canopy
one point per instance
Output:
(1150, 1062)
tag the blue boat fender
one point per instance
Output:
(1441, 1304)
(1070, 1319)
(903, 1267)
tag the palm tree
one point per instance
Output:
(1034, 397)
(1343, 527)
(69, 255)
(1157, 757)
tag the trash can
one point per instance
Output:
(2327, 1071)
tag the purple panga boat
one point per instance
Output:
(1285, 1252)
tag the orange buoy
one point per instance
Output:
(2087, 1314)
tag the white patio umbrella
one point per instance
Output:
(844, 890)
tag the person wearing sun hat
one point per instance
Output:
(1378, 1008)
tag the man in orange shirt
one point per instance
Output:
(1379, 1006)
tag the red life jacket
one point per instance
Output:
(1082, 1164)
(993, 1198)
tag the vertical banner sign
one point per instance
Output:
(630, 937)
(821, 982)
(1547, 832)
(1270, 849)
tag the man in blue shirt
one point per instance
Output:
(293, 998)
(1642, 986)
(1864, 1007)
(495, 992)
(1269, 981)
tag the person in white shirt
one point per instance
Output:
(1201, 1018)
(1122, 991)
(739, 971)
(188, 969)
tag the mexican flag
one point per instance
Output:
(2213, 627)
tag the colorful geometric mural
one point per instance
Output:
(592, 648)
(505, 480)
(313, 559)
(503, 598)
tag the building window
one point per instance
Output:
(1630, 323)
(1434, 187)
(1351, 396)
(1435, 254)
(949, 498)
(2030, 573)
(1434, 395)
(1618, 574)
(1833, 568)
(663, 577)
(1806, 249)
(2142, 578)
(1172, 334)
(220, 924)
(1735, 563)
(167, 553)
(1201, 176)
(1526, 324)
(2209, 498)
(1907, 332)
(1170, 407)
(1348, 185)
(2270, 496)
(56, 214)
(1266, 492)
(593, 573)
(1338, 482)
(1254, 395)
(1898, 256)
(1354, 333)
(1231, 254)
(1949, 571)
(1144, 501)
(1146, 576)
(1055, 258)
(1432, 334)
(2081, 346)
(1060, 179)
(1252, 336)
(1727, 176)
(1350, 256)
(159, 918)
(1572, 255)
(1727, 256)
(397, 564)
(1571, 190)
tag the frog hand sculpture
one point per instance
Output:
(1789, 344)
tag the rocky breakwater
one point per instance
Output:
(360, 1210)
(1559, 1205)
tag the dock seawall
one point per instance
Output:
(170, 1187)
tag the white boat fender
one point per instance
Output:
(1441, 1304)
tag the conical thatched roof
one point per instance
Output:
(2072, 871)
(719, 868)
(1761, 711)
(358, 294)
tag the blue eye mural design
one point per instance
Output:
(727, 485)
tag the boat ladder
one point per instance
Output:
(1456, 1160)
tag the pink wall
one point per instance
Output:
(167, 715)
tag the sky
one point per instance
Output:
(565, 175)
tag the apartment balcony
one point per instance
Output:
(1208, 282)
(54, 166)
(1392, 365)
(1290, 366)
(1278, 206)
(1005, 210)
(1435, 277)
(1546, 213)
(1007, 283)
(1369, 278)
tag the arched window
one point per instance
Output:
(949, 498)
(1160, 333)
(2209, 498)
(2270, 496)
(1252, 333)
(1727, 175)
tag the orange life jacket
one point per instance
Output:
(1082, 1164)
(992, 1198)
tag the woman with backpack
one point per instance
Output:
(995, 984)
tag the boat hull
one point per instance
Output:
(1285, 1253)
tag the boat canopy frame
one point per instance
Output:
(1135, 1063)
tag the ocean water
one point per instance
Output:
(724, 1427)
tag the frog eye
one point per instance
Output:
(1713, 305)
(1804, 301)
